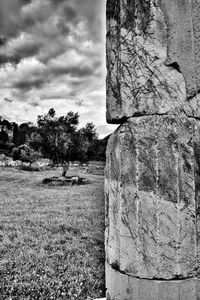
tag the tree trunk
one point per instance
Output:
(65, 167)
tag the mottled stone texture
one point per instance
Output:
(152, 192)
(153, 58)
(152, 184)
(183, 41)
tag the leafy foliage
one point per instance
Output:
(3, 136)
(25, 154)
(56, 138)
(15, 133)
(84, 143)
(59, 139)
(5, 123)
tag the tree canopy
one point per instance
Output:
(59, 139)
(25, 154)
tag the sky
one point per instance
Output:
(52, 54)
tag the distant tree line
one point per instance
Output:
(57, 138)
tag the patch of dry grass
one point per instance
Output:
(51, 238)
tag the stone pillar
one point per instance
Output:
(152, 184)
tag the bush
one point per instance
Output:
(29, 168)
(15, 153)
(25, 154)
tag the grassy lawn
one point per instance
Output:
(51, 238)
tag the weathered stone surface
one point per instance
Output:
(183, 40)
(153, 58)
(152, 183)
(152, 191)
(125, 287)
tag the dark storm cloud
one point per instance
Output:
(63, 27)
(25, 2)
(3, 59)
(34, 104)
(8, 100)
(37, 12)
(2, 41)
(70, 13)
(9, 17)
(15, 15)
(58, 2)
(75, 71)
(26, 48)
(19, 50)
(38, 79)
(29, 83)
(48, 21)
(11, 21)
(77, 10)
(92, 15)
(56, 50)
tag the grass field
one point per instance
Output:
(51, 238)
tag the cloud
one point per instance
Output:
(8, 100)
(69, 12)
(91, 14)
(34, 104)
(37, 12)
(55, 90)
(22, 47)
(74, 71)
(80, 102)
(29, 83)
(48, 26)
(10, 23)
(29, 74)
(58, 2)
(52, 56)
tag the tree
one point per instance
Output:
(25, 154)
(6, 123)
(85, 143)
(15, 153)
(100, 153)
(15, 133)
(23, 132)
(3, 136)
(60, 140)
(6, 144)
(54, 137)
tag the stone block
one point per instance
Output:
(121, 286)
(153, 58)
(125, 287)
(188, 289)
(152, 198)
(169, 290)
(183, 41)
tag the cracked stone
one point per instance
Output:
(153, 194)
(153, 60)
(152, 177)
